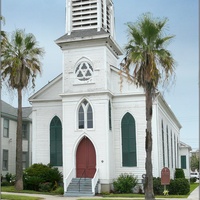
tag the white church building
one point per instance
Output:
(88, 124)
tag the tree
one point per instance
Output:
(146, 52)
(20, 64)
(194, 163)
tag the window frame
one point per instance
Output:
(5, 160)
(183, 162)
(127, 148)
(25, 132)
(110, 115)
(25, 161)
(6, 128)
(83, 68)
(87, 116)
(55, 152)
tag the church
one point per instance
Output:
(90, 121)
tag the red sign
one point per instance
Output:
(165, 176)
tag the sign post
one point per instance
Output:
(165, 177)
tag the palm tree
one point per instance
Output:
(152, 63)
(20, 64)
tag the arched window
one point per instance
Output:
(175, 152)
(172, 153)
(129, 152)
(85, 115)
(163, 143)
(56, 142)
(167, 135)
(110, 119)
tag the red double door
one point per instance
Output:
(85, 159)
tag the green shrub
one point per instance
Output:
(10, 178)
(59, 190)
(45, 187)
(179, 173)
(32, 182)
(193, 180)
(157, 187)
(125, 183)
(37, 176)
(5, 183)
(179, 186)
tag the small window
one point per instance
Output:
(5, 160)
(89, 117)
(85, 115)
(183, 162)
(6, 128)
(81, 117)
(25, 131)
(24, 160)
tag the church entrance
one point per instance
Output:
(85, 159)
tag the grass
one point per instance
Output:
(192, 187)
(12, 189)
(106, 196)
(18, 197)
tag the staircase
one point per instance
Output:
(80, 187)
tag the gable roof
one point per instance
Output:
(183, 145)
(47, 87)
(10, 112)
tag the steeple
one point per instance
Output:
(90, 14)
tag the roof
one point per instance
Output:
(11, 112)
(90, 35)
(161, 99)
(183, 145)
(82, 34)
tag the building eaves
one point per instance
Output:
(81, 34)
(49, 84)
(10, 112)
(90, 35)
(183, 145)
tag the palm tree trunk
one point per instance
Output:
(19, 170)
(149, 194)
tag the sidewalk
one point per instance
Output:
(193, 196)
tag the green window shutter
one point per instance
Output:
(183, 162)
(56, 142)
(129, 154)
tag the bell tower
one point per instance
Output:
(89, 45)
(89, 54)
(89, 14)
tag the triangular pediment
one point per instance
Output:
(50, 92)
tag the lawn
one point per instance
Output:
(18, 197)
(192, 187)
(106, 196)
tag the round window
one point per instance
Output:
(84, 71)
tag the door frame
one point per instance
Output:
(75, 155)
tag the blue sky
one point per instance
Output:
(46, 20)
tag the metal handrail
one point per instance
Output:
(81, 178)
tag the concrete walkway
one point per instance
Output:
(193, 196)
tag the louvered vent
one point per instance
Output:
(84, 14)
